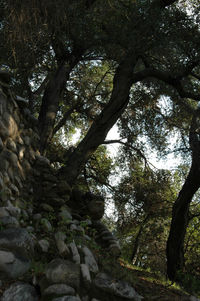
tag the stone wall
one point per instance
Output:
(53, 245)
(18, 143)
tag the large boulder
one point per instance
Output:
(16, 248)
(57, 290)
(63, 271)
(17, 240)
(20, 292)
(12, 266)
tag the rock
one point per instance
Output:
(17, 240)
(86, 275)
(9, 222)
(10, 144)
(67, 298)
(46, 207)
(63, 271)
(115, 289)
(73, 227)
(90, 260)
(1, 144)
(27, 140)
(14, 211)
(46, 225)
(58, 290)
(20, 292)
(75, 254)
(65, 214)
(115, 250)
(42, 161)
(22, 100)
(62, 248)
(44, 245)
(3, 212)
(37, 216)
(60, 236)
(1, 183)
(12, 266)
(61, 245)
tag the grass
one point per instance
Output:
(148, 284)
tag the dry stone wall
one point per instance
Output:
(49, 232)
(18, 143)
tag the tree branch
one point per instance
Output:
(167, 78)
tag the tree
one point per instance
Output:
(180, 213)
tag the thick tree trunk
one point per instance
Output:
(180, 211)
(97, 133)
(51, 98)
(179, 223)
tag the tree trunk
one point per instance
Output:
(51, 98)
(180, 211)
(112, 111)
(137, 240)
(179, 223)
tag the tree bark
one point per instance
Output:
(180, 211)
(51, 98)
(112, 111)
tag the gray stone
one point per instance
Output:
(3, 212)
(86, 275)
(57, 290)
(14, 211)
(22, 100)
(115, 250)
(4, 164)
(46, 225)
(17, 240)
(60, 236)
(9, 222)
(27, 140)
(42, 161)
(75, 254)
(37, 216)
(14, 189)
(67, 298)
(20, 292)
(18, 182)
(30, 229)
(47, 207)
(62, 248)
(90, 260)
(73, 227)
(1, 144)
(63, 271)
(1, 183)
(11, 266)
(44, 245)
(65, 214)
(10, 144)
(114, 287)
